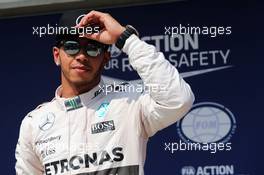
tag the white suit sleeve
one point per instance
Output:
(170, 98)
(27, 162)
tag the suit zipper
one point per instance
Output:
(69, 138)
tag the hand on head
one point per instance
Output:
(110, 28)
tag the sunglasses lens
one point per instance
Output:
(74, 47)
(71, 47)
(93, 51)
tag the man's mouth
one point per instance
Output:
(81, 68)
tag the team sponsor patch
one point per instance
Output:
(103, 127)
(102, 109)
(73, 103)
(47, 140)
(47, 121)
(85, 161)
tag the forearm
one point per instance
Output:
(169, 88)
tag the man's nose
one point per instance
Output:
(81, 56)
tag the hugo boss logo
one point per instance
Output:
(103, 127)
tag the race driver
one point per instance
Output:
(85, 131)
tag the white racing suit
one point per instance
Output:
(99, 133)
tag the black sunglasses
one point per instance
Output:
(73, 47)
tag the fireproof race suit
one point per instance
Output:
(99, 133)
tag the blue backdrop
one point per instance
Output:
(225, 73)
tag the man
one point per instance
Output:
(85, 131)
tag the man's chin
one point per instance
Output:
(82, 82)
(88, 81)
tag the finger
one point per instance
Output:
(93, 15)
(94, 36)
(86, 18)
(91, 22)
(80, 24)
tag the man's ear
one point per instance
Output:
(56, 55)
